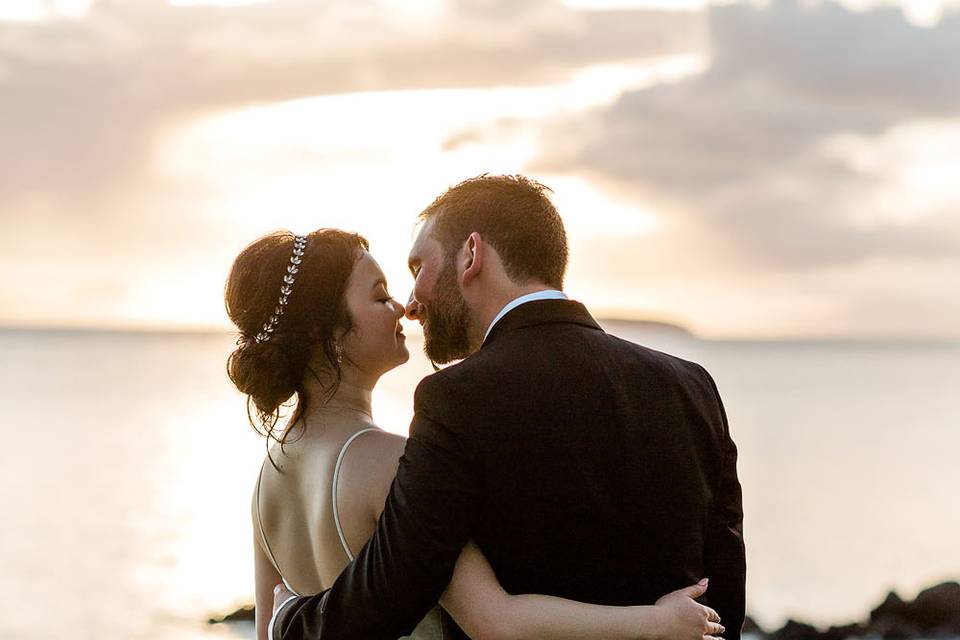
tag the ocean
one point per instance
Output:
(128, 463)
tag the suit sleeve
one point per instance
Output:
(403, 569)
(725, 554)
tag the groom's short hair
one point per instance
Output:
(512, 213)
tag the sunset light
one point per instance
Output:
(699, 182)
(687, 299)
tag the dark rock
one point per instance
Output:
(895, 629)
(794, 630)
(750, 626)
(892, 606)
(936, 611)
(938, 608)
(891, 619)
(844, 632)
(243, 614)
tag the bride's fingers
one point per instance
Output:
(712, 638)
(712, 615)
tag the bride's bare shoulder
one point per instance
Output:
(376, 449)
(369, 466)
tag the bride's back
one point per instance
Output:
(293, 509)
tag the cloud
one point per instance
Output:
(844, 57)
(785, 156)
(746, 149)
(82, 100)
(86, 102)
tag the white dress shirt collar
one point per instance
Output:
(547, 294)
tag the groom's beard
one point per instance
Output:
(445, 335)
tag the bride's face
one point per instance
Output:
(376, 342)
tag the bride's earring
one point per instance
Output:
(338, 349)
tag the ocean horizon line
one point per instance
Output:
(669, 330)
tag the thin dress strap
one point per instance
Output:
(336, 482)
(263, 534)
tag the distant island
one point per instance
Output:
(653, 328)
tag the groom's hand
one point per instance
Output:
(280, 597)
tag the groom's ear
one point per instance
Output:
(471, 256)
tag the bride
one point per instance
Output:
(317, 323)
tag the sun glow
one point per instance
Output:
(370, 162)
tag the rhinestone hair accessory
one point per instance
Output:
(299, 245)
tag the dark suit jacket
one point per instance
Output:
(583, 465)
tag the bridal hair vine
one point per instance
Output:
(299, 245)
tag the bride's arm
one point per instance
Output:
(484, 610)
(266, 578)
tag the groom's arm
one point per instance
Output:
(402, 570)
(725, 555)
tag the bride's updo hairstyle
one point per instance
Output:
(271, 371)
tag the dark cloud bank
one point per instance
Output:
(739, 148)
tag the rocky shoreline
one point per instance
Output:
(935, 613)
(243, 614)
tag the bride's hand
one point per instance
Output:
(686, 619)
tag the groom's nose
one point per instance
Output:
(413, 310)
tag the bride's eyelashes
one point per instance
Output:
(384, 294)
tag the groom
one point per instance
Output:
(583, 466)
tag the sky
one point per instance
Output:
(749, 170)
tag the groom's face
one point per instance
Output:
(436, 301)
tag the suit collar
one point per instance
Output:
(546, 294)
(539, 312)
